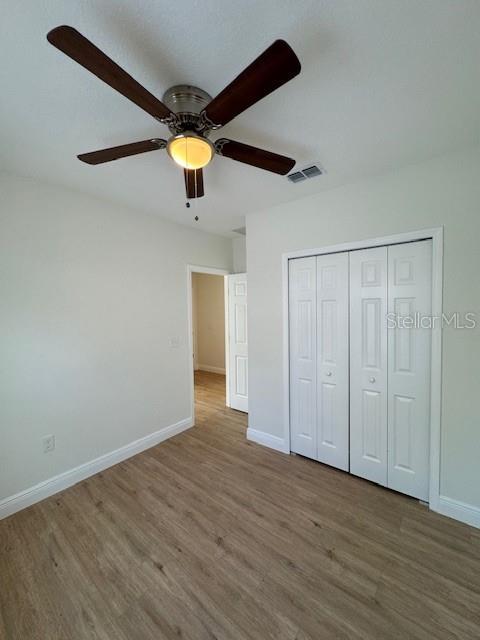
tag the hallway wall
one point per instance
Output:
(209, 322)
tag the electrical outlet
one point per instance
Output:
(48, 443)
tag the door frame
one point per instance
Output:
(436, 236)
(213, 271)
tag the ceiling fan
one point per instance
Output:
(189, 112)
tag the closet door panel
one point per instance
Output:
(409, 344)
(303, 356)
(368, 364)
(332, 360)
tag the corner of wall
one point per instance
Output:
(239, 248)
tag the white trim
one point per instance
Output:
(459, 511)
(286, 351)
(210, 369)
(193, 268)
(267, 440)
(227, 343)
(436, 370)
(47, 488)
(399, 238)
(436, 235)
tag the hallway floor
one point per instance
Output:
(209, 395)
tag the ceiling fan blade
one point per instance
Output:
(77, 47)
(124, 150)
(254, 156)
(274, 67)
(193, 183)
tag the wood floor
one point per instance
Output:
(210, 536)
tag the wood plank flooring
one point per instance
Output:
(210, 536)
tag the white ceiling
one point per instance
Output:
(384, 83)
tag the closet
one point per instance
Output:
(360, 336)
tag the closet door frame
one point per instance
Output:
(436, 236)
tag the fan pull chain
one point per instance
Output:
(196, 194)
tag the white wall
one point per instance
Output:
(444, 191)
(209, 321)
(90, 295)
(239, 254)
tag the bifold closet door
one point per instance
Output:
(368, 364)
(303, 356)
(332, 360)
(318, 300)
(409, 344)
(390, 342)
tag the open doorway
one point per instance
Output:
(209, 343)
(207, 327)
(218, 349)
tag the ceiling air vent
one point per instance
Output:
(296, 177)
(309, 172)
(312, 171)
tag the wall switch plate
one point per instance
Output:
(48, 443)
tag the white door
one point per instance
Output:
(238, 341)
(368, 364)
(303, 356)
(332, 360)
(409, 299)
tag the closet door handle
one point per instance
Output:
(329, 373)
(372, 380)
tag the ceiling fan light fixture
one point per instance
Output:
(190, 150)
(189, 111)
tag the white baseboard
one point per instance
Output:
(267, 440)
(47, 488)
(458, 511)
(207, 367)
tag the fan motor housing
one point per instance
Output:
(186, 102)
